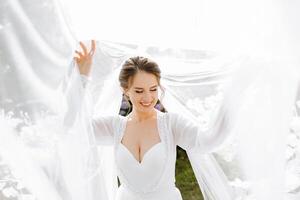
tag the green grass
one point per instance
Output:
(185, 178)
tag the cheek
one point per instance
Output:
(136, 97)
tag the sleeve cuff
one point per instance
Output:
(85, 79)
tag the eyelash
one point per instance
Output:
(142, 91)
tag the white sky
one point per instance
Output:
(231, 25)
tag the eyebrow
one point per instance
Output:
(143, 88)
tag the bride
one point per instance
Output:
(72, 154)
(144, 142)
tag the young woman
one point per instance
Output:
(145, 140)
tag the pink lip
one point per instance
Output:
(146, 105)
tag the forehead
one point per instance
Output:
(144, 80)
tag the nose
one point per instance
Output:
(147, 97)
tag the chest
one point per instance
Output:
(139, 138)
(158, 160)
(141, 155)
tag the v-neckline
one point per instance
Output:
(145, 154)
(148, 150)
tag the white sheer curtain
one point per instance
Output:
(198, 44)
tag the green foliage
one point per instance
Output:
(185, 178)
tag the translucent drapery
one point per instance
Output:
(35, 57)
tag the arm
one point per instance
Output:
(102, 125)
(188, 135)
(79, 101)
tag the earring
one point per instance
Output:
(127, 99)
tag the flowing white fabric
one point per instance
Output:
(243, 104)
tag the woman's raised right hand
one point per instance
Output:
(84, 58)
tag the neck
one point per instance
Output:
(142, 116)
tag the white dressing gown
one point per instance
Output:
(154, 177)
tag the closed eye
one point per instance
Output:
(153, 90)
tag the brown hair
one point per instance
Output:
(135, 64)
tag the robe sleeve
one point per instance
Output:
(223, 121)
(80, 109)
(103, 126)
(191, 137)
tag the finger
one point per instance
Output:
(79, 53)
(76, 59)
(93, 48)
(83, 48)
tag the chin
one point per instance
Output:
(146, 109)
